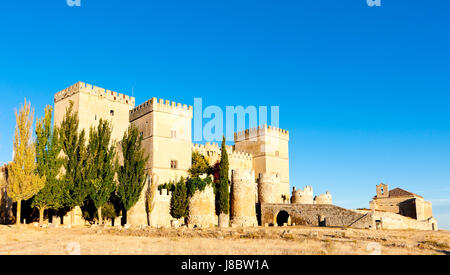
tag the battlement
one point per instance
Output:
(163, 195)
(307, 190)
(273, 178)
(260, 131)
(244, 175)
(213, 149)
(81, 87)
(304, 196)
(161, 105)
(240, 155)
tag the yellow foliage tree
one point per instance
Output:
(24, 182)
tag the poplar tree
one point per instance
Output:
(49, 165)
(24, 182)
(100, 165)
(179, 202)
(131, 174)
(76, 187)
(222, 190)
(150, 196)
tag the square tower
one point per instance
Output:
(166, 128)
(270, 149)
(93, 103)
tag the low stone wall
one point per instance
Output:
(160, 216)
(388, 220)
(316, 215)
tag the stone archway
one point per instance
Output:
(282, 218)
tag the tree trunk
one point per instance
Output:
(99, 214)
(41, 216)
(18, 210)
(124, 217)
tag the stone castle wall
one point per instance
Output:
(160, 216)
(317, 215)
(202, 208)
(268, 188)
(92, 104)
(269, 147)
(243, 199)
(236, 159)
(388, 220)
(324, 199)
(304, 196)
(166, 128)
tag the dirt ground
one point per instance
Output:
(28, 239)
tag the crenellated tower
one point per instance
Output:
(269, 147)
(93, 103)
(166, 129)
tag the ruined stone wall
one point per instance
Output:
(304, 196)
(388, 220)
(324, 199)
(202, 208)
(423, 209)
(389, 205)
(243, 199)
(315, 215)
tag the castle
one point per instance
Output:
(166, 128)
(259, 172)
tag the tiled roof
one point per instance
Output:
(398, 192)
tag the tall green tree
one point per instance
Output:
(200, 165)
(73, 145)
(222, 190)
(179, 202)
(49, 165)
(100, 166)
(24, 181)
(131, 174)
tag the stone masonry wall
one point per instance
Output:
(388, 220)
(202, 208)
(304, 196)
(315, 215)
(243, 200)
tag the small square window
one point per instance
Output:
(173, 134)
(173, 164)
(111, 112)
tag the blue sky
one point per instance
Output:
(363, 91)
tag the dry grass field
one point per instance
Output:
(28, 239)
